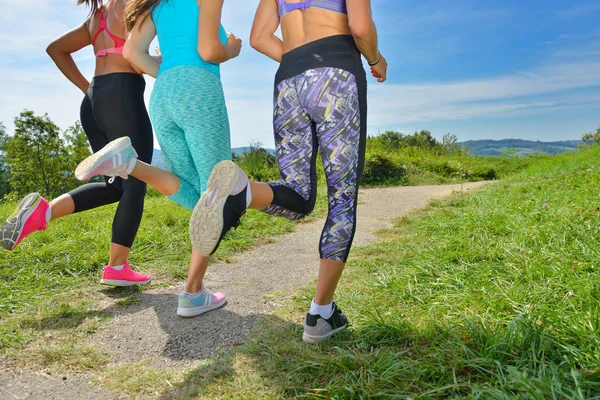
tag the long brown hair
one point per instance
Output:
(135, 9)
(94, 5)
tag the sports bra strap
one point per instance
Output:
(119, 42)
(112, 50)
(338, 6)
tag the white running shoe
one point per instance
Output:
(220, 207)
(115, 159)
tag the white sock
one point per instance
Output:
(324, 311)
(117, 267)
(195, 294)
(248, 196)
(48, 214)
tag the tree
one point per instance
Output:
(4, 171)
(258, 163)
(591, 138)
(450, 144)
(391, 140)
(78, 149)
(37, 156)
(421, 139)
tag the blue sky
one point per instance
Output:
(476, 68)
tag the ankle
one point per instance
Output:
(324, 310)
(193, 288)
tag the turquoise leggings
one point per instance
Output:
(188, 112)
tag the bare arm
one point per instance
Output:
(363, 28)
(137, 44)
(210, 47)
(262, 37)
(60, 51)
(364, 32)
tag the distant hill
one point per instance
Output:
(521, 147)
(240, 150)
(485, 147)
(158, 160)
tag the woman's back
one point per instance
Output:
(176, 23)
(109, 35)
(306, 21)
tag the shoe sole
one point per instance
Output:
(84, 169)
(315, 339)
(115, 282)
(193, 312)
(13, 227)
(206, 223)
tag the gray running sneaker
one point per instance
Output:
(317, 328)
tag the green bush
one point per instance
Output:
(259, 164)
(397, 159)
(381, 169)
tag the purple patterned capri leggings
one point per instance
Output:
(320, 104)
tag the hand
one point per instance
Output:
(158, 56)
(379, 70)
(234, 45)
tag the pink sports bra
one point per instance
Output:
(119, 43)
(338, 6)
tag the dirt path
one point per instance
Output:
(151, 331)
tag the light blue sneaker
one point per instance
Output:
(191, 305)
(115, 159)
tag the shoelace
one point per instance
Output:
(119, 173)
(335, 307)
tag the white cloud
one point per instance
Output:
(565, 79)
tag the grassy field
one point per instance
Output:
(494, 295)
(50, 282)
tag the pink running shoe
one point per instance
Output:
(30, 216)
(124, 277)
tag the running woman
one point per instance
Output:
(113, 106)
(320, 103)
(187, 109)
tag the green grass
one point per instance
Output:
(73, 250)
(49, 292)
(492, 295)
(413, 166)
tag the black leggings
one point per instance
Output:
(112, 108)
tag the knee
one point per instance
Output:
(309, 197)
(134, 186)
(308, 206)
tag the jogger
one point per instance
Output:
(188, 111)
(112, 107)
(319, 104)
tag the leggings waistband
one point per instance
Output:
(337, 51)
(117, 78)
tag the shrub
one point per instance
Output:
(380, 168)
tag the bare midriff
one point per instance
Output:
(300, 27)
